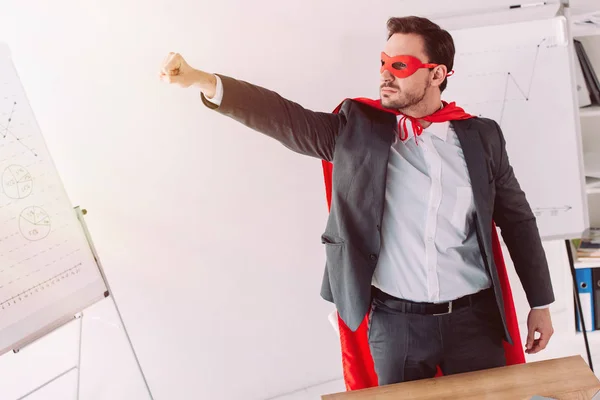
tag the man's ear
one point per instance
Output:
(439, 74)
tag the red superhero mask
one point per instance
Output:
(403, 66)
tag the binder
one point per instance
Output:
(591, 79)
(596, 291)
(583, 94)
(585, 290)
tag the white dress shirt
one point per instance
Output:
(429, 250)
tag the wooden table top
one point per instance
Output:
(567, 378)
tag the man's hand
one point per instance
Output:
(538, 321)
(175, 70)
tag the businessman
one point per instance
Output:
(417, 187)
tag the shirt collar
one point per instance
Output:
(439, 129)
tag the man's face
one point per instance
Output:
(401, 93)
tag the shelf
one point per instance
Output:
(589, 111)
(586, 264)
(583, 30)
(591, 180)
(582, 14)
(592, 335)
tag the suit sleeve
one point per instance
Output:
(304, 131)
(218, 97)
(513, 214)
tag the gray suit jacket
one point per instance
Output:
(358, 140)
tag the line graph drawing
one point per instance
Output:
(510, 77)
(34, 223)
(6, 129)
(17, 182)
(510, 80)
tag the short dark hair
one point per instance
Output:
(439, 45)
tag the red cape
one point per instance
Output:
(357, 363)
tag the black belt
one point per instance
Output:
(407, 306)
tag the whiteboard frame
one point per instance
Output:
(566, 12)
(549, 10)
(563, 15)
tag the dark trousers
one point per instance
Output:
(408, 346)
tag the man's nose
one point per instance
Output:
(386, 76)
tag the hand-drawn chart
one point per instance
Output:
(39, 287)
(505, 83)
(47, 269)
(7, 126)
(34, 223)
(16, 182)
(524, 93)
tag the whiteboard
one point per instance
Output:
(520, 75)
(48, 271)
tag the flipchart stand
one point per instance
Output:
(77, 366)
(79, 318)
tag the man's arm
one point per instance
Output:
(303, 131)
(299, 129)
(517, 222)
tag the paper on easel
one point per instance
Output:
(48, 272)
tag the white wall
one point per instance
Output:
(209, 233)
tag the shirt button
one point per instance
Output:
(373, 257)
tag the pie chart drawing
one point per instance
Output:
(17, 182)
(34, 223)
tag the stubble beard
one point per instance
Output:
(405, 100)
